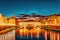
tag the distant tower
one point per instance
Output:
(0, 14)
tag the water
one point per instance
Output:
(18, 37)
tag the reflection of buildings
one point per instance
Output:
(52, 34)
(8, 36)
(7, 32)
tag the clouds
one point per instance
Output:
(28, 7)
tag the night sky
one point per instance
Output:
(42, 7)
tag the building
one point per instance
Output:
(3, 20)
(11, 20)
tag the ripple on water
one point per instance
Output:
(18, 37)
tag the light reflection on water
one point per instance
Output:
(18, 37)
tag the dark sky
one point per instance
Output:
(42, 7)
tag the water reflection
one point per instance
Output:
(18, 37)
